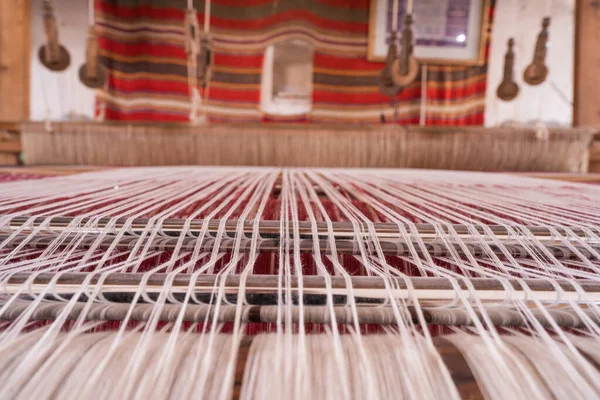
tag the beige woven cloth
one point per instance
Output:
(310, 145)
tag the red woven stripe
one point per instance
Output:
(241, 60)
(451, 93)
(234, 95)
(112, 114)
(137, 49)
(242, 3)
(142, 11)
(401, 121)
(326, 97)
(473, 119)
(456, 92)
(288, 17)
(342, 63)
(154, 49)
(148, 85)
(229, 119)
(356, 4)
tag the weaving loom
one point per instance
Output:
(258, 283)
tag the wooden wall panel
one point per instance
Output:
(587, 63)
(15, 45)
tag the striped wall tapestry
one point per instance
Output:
(142, 46)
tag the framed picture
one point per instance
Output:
(446, 31)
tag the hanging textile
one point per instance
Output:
(142, 44)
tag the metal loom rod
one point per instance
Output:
(432, 289)
(380, 315)
(308, 281)
(393, 247)
(271, 228)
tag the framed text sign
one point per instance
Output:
(446, 31)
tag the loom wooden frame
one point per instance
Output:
(323, 145)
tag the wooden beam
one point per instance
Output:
(15, 49)
(587, 63)
(10, 143)
(8, 159)
(10, 126)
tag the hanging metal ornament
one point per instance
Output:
(92, 74)
(508, 89)
(537, 71)
(52, 54)
(387, 87)
(405, 68)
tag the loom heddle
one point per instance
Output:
(239, 283)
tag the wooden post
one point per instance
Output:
(15, 49)
(587, 63)
(586, 105)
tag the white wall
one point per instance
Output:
(522, 20)
(60, 95)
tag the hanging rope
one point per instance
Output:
(199, 60)
(387, 86)
(537, 72)
(423, 108)
(206, 95)
(207, 17)
(47, 111)
(395, 16)
(205, 59)
(100, 115)
(91, 73)
(192, 43)
(519, 62)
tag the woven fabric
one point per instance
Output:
(142, 45)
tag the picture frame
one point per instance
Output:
(447, 32)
